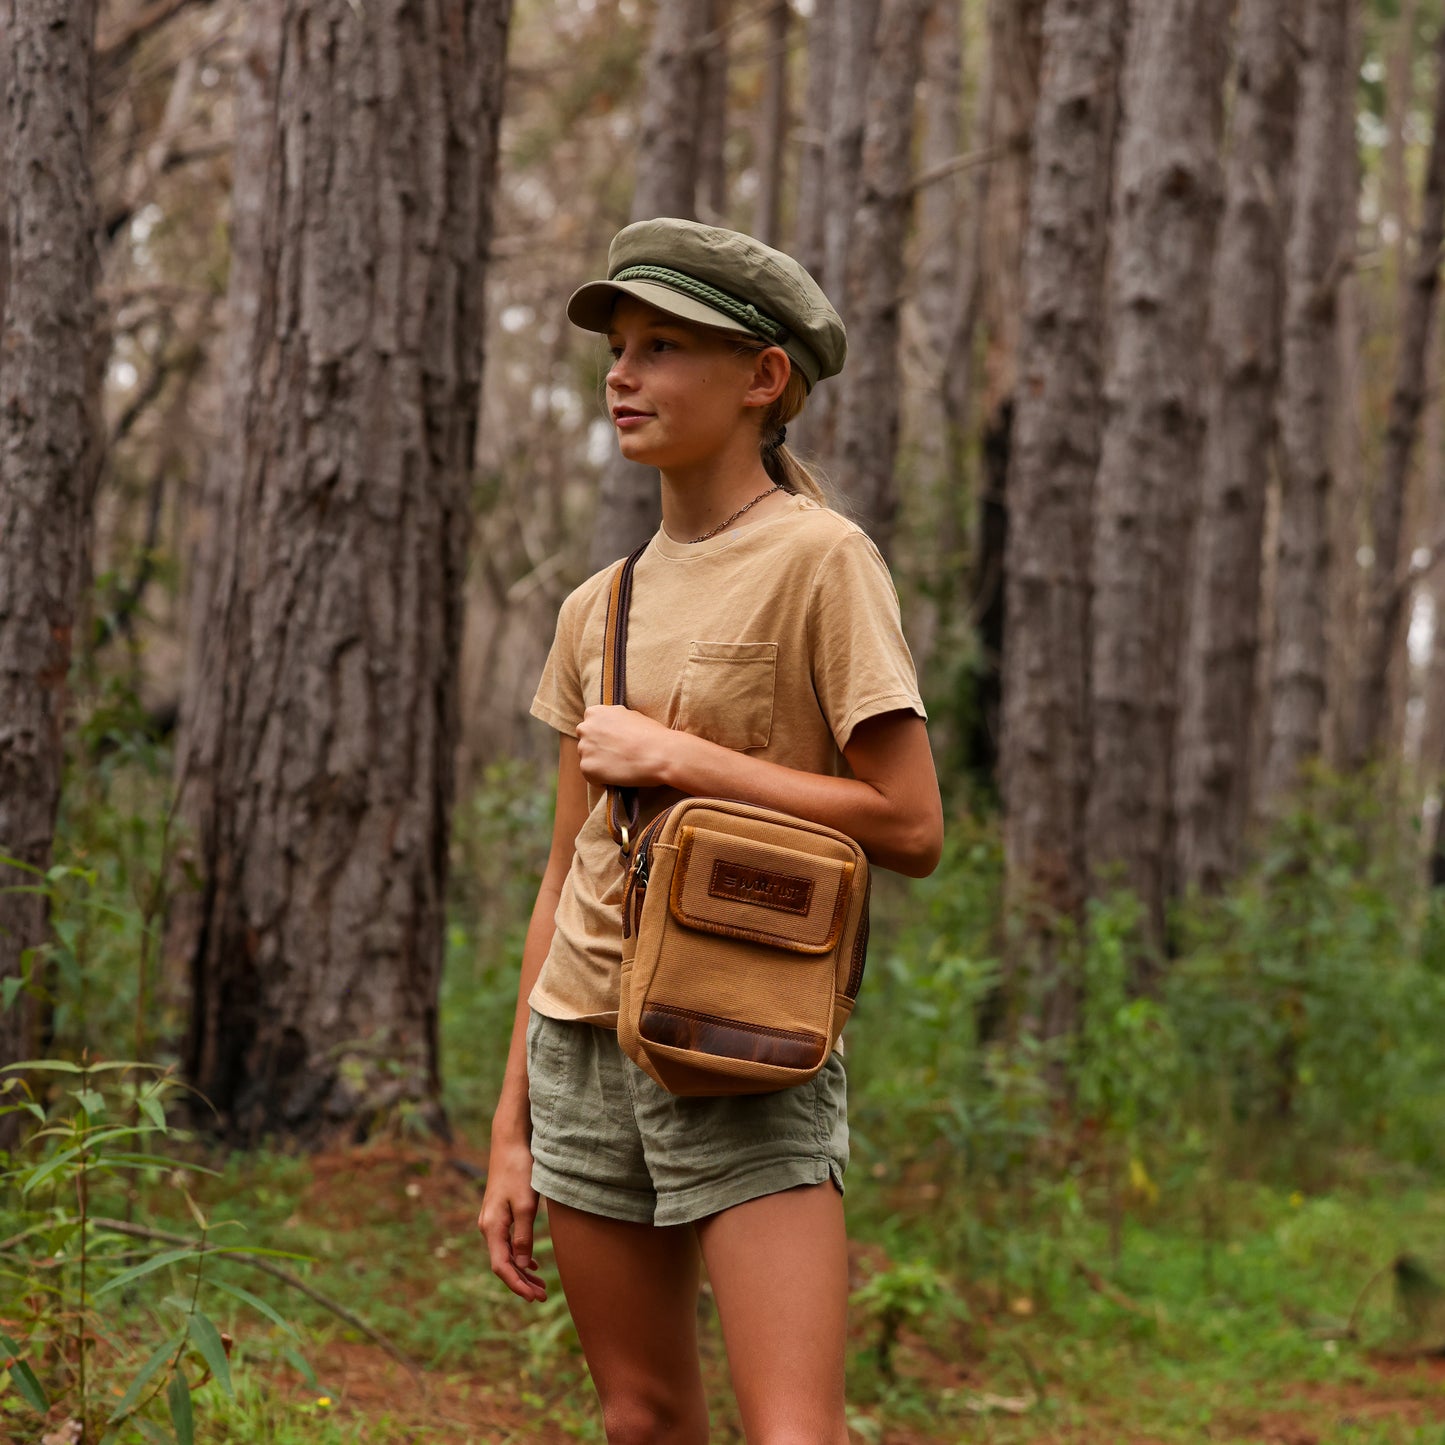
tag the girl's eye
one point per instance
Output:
(661, 343)
(615, 352)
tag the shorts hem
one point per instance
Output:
(591, 1197)
(692, 1205)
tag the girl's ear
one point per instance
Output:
(771, 369)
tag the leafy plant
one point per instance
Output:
(69, 1262)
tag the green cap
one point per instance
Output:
(721, 279)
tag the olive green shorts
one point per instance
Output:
(608, 1140)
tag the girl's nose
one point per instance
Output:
(619, 374)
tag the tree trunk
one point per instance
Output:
(940, 199)
(813, 139)
(320, 717)
(1057, 424)
(712, 117)
(1383, 636)
(772, 133)
(1147, 487)
(1015, 46)
(666, 185)
(928, 331)
(1317, 252)
(853, 39)
(1217, 689)
(869, 404)
(48, 442)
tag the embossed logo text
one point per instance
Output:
(745, 884)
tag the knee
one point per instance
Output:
(654, 1420)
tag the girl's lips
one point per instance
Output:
(623, 418)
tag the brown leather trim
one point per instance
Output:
(730, 1038)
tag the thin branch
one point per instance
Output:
(161, 1236)
(964, 162)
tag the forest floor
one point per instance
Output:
(1289, 1344)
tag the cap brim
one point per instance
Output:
(590, 306)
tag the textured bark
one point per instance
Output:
(1383, 638)
(48, 431)
(940, 200)
(1015, 47)
(711, 108)
(772, 132)
(1057, 426)
(959, 369)
(320, 717)
(1317, 251)
(929, 325)
(854, 38)
(666, 185)
(1217, 693)
(868, 416)
(813, 139)
(1147, 486)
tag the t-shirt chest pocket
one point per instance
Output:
(727, 693)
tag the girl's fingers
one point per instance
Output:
(509, 1246)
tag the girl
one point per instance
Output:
(765, 663)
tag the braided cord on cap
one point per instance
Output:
(743, 312)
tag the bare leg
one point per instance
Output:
(779, 1271)
(632, 1290)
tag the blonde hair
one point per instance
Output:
(785, 467)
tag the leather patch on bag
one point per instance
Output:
(744, 884)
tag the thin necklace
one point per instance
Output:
(723, 526)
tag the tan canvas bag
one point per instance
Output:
(744, 929)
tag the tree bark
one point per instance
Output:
(772, 127)
(1015, 46)
(871, 393)
(668, 167)
(854, 36)
(1383, 636)
(48, 442)
(712, 117)
(855, 39)
(1317, 253)
(1217, 692)
(813, 139)
(1147, 487)
(940, 199)
(1057, 426)
(320, 718)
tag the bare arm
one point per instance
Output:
(509, 1209)
(891, 804)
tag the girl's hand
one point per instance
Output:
(508, 1220)
(620, 748)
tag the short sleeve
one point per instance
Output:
(861, 664)
(559, 701)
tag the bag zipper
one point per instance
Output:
(634, 887)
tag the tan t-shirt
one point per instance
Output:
(777, 639)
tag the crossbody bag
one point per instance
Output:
(744, 930)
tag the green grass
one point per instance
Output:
(1182, 1338)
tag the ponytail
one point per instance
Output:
(784, 467)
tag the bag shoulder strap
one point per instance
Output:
(622, 807)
